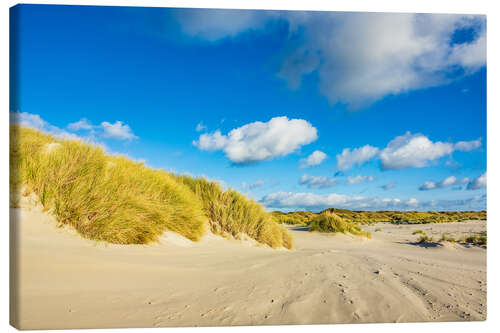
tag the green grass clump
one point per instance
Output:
(331, 222)
(295, 218)
(480, 239)
(230, 212)
(447, 238)
(105, 198)
(416, 232)
(425, 239)
(113, 199)
(378, 229)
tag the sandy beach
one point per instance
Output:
(66, 281)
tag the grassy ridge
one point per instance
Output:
(331, 222)
(230, 212)
(114, 199)
(367, 217)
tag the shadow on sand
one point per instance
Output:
(424, 244)
(299, 228)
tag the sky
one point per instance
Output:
(297, 110)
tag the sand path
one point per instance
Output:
(69, 282)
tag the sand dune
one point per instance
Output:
(69, 282)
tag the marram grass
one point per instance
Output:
(113, 199)
(230, 212)
(331, 222)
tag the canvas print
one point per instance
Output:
(216, 167)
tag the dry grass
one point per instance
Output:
(425, 239)
(114, 199)
(368, 217)
(476, 239)
(230, 212)
(331, 222)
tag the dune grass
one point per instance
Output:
(230, 212)
(368, 217)
(425, 239)
(331, 222)
(447, 238)
(294, 218)
(475, 239)
(113, 199)
(416, 232)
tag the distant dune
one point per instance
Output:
(66, 281)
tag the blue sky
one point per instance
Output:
(298, 110)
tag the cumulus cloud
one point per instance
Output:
(256, 184)
(402, 152)
(412, 150)
(359, 57)
(450, 181)
(260, 141)
(323, 201)
(82, 124)
(215, 24)
(477, 183)
(118, 130)
(200, 127)
(35, 121)
(317, 181)
(468, 145)
(357, 156)
(316, 158)
(389, 186)
(359, 179)
(311, 201)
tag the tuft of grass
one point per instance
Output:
(425, 239)
(230, 212)
(378, 229)
(295, 218)
(446, 238)
(113, 199)
(416, 232)
(480, 239)
(331, 222)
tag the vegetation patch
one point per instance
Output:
(368, 217)
(425, 239)
(480, 240)
(113, 199)
(230, 212)
(331, 222)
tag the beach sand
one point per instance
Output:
(65, 281)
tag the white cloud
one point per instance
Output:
(450, 181)
(215, 24)
(357, 156)
(35, 121)
(82, 124)
(256, 184)
(260, 141)
(200, 127)
(389, 186)
(359, 179)
(359, 57)
(412, 150)
(468, 145)
(402, 152)
(317, 181)
(477, 183)
(118, 130)
(316, 158)
(311, 201)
